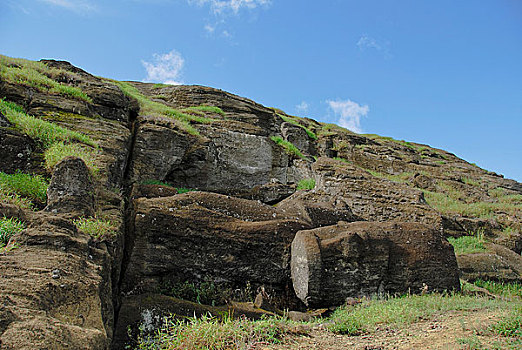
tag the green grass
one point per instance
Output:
(152, 108)
(508, 290)
(45, 132)
(207, 109)
(511, 325)
(97, 228)
(205, 292)
(8, 228)
(342, 160)
(39, 76)
(289, 148)
(155, 182)
(32, 187)
(470, 181)
(211, 333)
(306, 184)
(295, 122)
(445, 204)
(58, 151)
(9, 197)
(468, 244)
(402, 311)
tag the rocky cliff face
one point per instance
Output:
(269, 205)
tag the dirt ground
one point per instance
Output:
(454, 330)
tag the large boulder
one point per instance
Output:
(497, 263)
(330, 264)
(200, 236)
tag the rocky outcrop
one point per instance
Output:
(331, 264)
(200, 236)
(71, 189)
(64, 289)
(498, 263)
(56, 289)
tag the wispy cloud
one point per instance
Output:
(165, 68)
(369, 43)
(80, 6)
(223, 7)
(302, 107)
(349, 113)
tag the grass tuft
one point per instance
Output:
(97, 228)
(8, 228)
(468, 244)
(306, 184)
(289, 147)
(32, 187)
(58, 151)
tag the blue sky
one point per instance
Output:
(447, 73)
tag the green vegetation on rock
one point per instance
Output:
(57, 141)
(306, 184)
(289, 147)
(40, 130)
(468, 244)
(8, 228)
(58, 151)
(39, 76)
(295, 121)
(97, 228)
(152, 108)
(20, 185)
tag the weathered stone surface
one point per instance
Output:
(297, 136)
(498, 263)
(370, 198)
(198, 235)
(230, 160)
(71, 189)
(17, 151)
(56, 289)
(333, 263)
(317, 208)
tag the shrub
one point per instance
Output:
(95, 227)
(58, 151)
(306, 184)
(468, 244)
(32, 187)
(289, 148)
(8, 228)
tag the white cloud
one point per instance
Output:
(210, 28)
(220, 7)
(302, 107)
(73, 5)
(349, 113)
(165, 68)
(367, 42)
